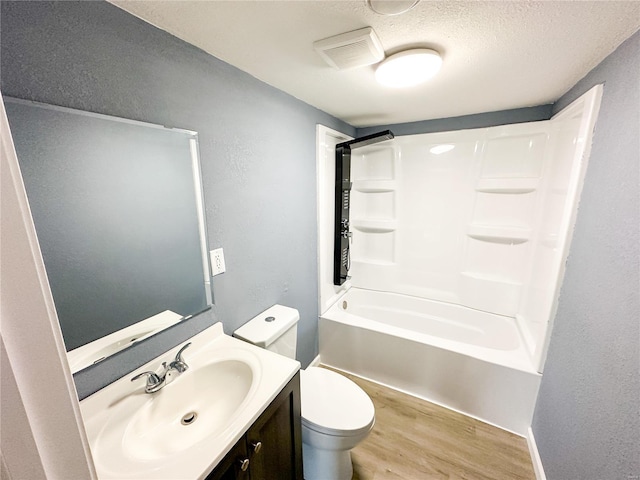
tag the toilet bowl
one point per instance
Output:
(336, 416)
(336, 413)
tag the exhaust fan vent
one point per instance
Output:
(353, 49)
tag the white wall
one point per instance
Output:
(42, 431)
(326, 141)
(561, 186)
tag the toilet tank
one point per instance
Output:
(275, 329)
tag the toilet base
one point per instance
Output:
(326, 464)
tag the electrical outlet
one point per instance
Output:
(217, 262)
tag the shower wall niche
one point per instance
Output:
(480, 218)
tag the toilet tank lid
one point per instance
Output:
(263, 329)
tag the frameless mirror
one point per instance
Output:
(118, 210)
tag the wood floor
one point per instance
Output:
(415, 440)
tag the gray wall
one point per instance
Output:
(481, 120)
(257, 147)
(586, 422)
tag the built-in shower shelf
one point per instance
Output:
(374, 226)
(374, 186)
(507, 185)
(507, 234)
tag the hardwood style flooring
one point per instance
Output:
(414, 440)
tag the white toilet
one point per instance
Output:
(336, 413)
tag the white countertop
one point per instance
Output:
(108, 413)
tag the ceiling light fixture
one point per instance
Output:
(391, 7)
(408, 68)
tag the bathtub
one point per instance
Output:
(463, 359)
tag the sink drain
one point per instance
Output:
(189, 418)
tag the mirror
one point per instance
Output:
(118, 210)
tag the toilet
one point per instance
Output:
(336, 413)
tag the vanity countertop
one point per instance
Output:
(229, 383)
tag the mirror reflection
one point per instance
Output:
(118, 210)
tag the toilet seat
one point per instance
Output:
(334, 405)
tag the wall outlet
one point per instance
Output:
(217, 262)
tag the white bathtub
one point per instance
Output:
(464, 359)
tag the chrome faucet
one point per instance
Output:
(156, 381)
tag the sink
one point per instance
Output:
(183, 430)
(192, 407)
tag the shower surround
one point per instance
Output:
(468, 229)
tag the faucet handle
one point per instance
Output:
(179, 354)
(153, 381)
(179, 364)
(152, 377)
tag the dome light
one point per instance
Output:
(408, 68)
(391, 7)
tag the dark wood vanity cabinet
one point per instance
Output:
(230, 467)
(272, 447)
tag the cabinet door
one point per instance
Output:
(275, 439)
(231, 466)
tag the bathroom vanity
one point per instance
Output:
(234, 413)
(272, 447)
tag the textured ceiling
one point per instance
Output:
(497, 55)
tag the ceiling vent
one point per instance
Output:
(353, 49)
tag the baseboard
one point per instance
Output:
(535, 456)
(315, 362)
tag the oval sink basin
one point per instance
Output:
(196, 404)
(199, 403)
